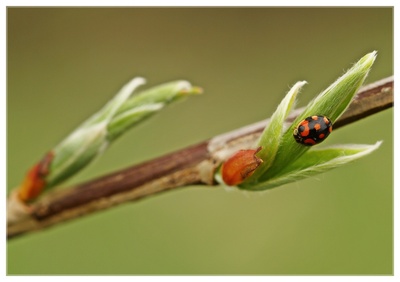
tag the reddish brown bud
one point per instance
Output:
(34, 181)
(240, 166)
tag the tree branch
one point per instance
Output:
(193, 165)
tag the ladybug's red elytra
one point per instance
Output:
(312, 130)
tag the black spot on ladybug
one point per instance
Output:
(312, 130)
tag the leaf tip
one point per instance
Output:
(377, 145)
(135, 82)
(298, 85)
(368, 60)
(184, 88)
(196, 90)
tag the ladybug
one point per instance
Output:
(312, 130)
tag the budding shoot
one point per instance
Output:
(35, 179)
(240, 166)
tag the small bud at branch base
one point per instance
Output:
(240, 166)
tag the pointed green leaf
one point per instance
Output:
(163, 93)
(271, 136)
(113, 106)
(145, 103)
(125, 120)
(317, 161)
(76, 151)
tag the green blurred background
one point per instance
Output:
(65, 63)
